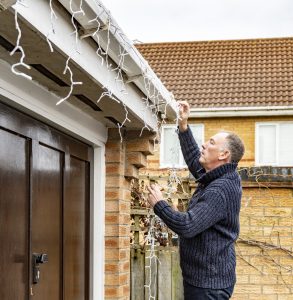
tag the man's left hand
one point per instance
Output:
(155, 194)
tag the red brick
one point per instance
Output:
(112, 219)
(114, 169)
(111, 267)
(137, 159)
(114, 181)
(145, 146)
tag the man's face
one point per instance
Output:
(214, 151)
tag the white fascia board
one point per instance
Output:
(241, 112)
(86, 57)
(36, 99)
(135, 66)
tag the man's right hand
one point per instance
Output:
(184, 112)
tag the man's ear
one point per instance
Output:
(224, 155)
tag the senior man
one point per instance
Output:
(209, 228)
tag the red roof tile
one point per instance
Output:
(256, 72)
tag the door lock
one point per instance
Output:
(38, 258)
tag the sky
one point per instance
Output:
(201, 20)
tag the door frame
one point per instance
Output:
(36, 101)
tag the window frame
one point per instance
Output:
(181, 164)
(257, 132)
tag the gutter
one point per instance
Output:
(241, 111)
(135, 66)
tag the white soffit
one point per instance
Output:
(86, 57)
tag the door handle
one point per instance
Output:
(38, 258)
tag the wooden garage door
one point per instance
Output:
(44, 211)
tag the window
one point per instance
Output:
(170, 155)
(274, 144)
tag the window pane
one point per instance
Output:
(286, 144)
(267, 144)
(197, 131)
(171, 147)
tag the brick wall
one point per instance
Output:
(123, 160)
(265, 259)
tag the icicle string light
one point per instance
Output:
(73, 83)
(53, 17)
(152, 260)
(153, 95)
(152, 101)
(73, 16)
(18, 47)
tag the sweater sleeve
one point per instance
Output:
(202, 216)
(191, 152)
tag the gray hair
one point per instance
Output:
(235, 146)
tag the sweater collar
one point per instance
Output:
(208, 177)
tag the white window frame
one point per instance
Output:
(181, 164)
(257, 154)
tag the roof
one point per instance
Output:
(231, 73)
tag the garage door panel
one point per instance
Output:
(14, 215)
(47, 219)
(76, 203)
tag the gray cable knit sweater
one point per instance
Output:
(210, 226)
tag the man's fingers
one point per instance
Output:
(153, 187)
(151, 190)
(156, 187)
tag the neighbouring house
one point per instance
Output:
(245, 86)
(66, 170)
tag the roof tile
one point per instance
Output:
(254, 72)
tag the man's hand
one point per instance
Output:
(184, 112)
(155, 194)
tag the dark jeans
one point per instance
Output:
(195, 293)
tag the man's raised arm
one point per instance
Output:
(189, 147)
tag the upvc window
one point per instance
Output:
(274, 143)
(170, 152)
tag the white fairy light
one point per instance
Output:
(52, 17)
(153, 260)
(73, 83)
(108, 94)
(125, 120)
(73, 14)
(152, 100)
(18, 47)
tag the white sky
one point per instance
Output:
(191, 20)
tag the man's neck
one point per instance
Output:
(208, 169)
